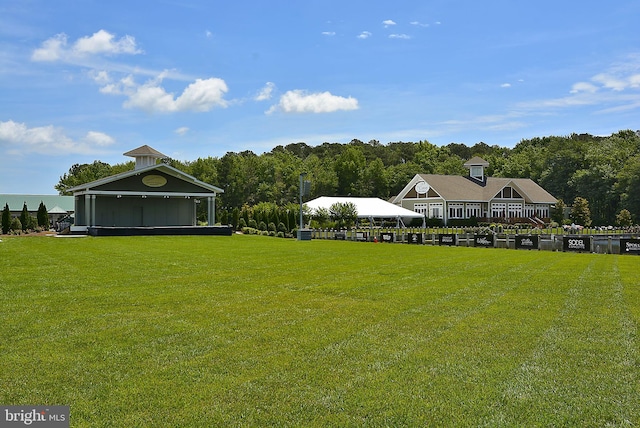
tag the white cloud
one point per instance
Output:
(583, 87)
(105, 42)
(19, 140)
(328, 33)
(100, 77)
(388, 23)
(399, 36)
(201, 95)
(99, 139)
(182, 130)
(208, 34)
(298, 101)
(102, 42)
(52, 49)
(418, 24)
(505, 85)
(364, 35)
(266, 92)
(611, 82)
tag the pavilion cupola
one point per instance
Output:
(145, 156)
(476, 166)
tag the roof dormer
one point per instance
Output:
(476, 166)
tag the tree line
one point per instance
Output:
(604, 170)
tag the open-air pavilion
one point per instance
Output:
(152, 199)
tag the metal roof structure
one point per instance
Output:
(57, 202)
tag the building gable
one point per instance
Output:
(152, 179)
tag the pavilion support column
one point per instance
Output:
(93, 210)
(211, 210)
(87, 210)
(194, 206)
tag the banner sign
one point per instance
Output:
(362, 236)
(387, 237)
(447, 239)
(577, 243)
(414, 238)
(527, 242)
(630, 246)
(483, 240)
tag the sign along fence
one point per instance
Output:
(603, 244)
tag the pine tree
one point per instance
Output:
(43, 216)
(6, 219)
(24, 217)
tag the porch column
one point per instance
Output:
(212, 212)
(87, 210)
(93, 210)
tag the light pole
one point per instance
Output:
(303, 189)
(302, 176)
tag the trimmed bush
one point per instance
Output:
(16, 224)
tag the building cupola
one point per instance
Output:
(476, 166)
(145, 156)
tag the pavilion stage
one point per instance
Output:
(160, 230)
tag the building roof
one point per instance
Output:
(167, 169)
(476, 160)
(145, 151)
(57, 210)
(366, 207)
(16, 202)
(466, 189)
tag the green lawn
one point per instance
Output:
(259, 331)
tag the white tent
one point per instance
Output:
(367, 208)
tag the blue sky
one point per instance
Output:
(89, 80)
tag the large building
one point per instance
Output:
(493, 199)
(153, 198)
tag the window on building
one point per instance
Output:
(515, 210)
(436, 210)
(498, 210)
(474, 210)
(476, 172)
(421, 208)
(456, 210)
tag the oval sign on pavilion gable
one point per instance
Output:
(422, 187)
(153, 180)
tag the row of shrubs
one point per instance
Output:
(253, 231)
(15, 227)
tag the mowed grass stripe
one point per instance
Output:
(195, 331)
(582, 371)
